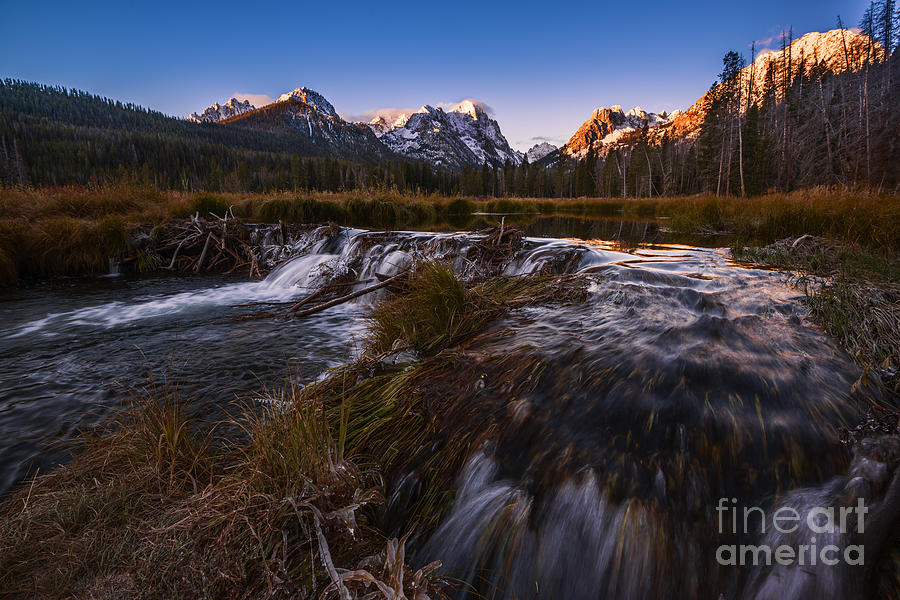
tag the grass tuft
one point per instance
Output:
(207, 204)
(434, 310)
(147, 509)
(437, 310)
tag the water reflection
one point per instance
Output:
(625, 233)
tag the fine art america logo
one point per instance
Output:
(789, 536)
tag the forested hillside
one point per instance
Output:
(793, 124)
(54, 136)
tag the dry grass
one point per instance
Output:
(850, 216)
(74, 230)
(147, 510)
(71, 529)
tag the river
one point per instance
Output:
(684, 378)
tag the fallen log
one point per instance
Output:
(319, 292)
(309, 298)
(272, 303)
(347, 297)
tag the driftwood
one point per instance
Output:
(178, 249)
(202, 258)
(198, 244)
(347, 297)
(316, 294)
(498, 246)
(328, 287)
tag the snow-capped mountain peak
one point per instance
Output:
(469, 107)
(462, 135)
(638, 112)
(539, 151)
(401, 120)
(308, 125)
(836, 51)
(381, 123)
(219, 112)
(310, 97)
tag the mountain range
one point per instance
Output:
(311, 120)
(835, 51)
(463, 135)
(818, 111)
(466, 135)
(219, 112)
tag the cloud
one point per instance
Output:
(257, 100)
(765, 43)
(389, 114)
(768, 44)
(449, 105)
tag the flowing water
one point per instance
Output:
(682, 380)
(70, 348)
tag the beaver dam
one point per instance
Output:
(512, 417)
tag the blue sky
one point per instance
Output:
(541, 66)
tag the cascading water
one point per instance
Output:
(683, 379)
(65, 344)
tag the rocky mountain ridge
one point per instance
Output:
(835, 51)
(607, 126)
(466, 135)
(463, 135)
(314, 125)
(539, 151)
(219, 112)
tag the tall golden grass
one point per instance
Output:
(76, 230)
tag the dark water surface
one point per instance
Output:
(623, 231)
(68, 346)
